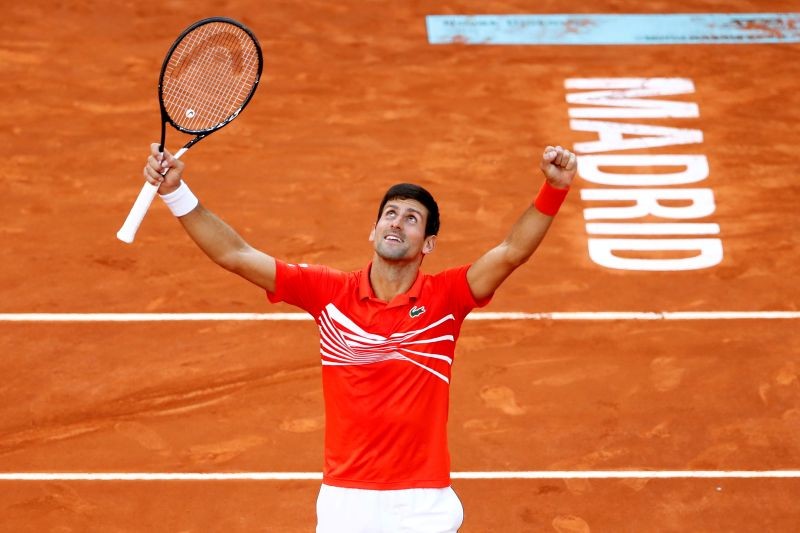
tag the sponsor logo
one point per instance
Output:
(416, 311)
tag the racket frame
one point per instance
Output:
(148, 192)
(203, 133)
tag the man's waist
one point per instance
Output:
(435, 482)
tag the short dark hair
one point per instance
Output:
(409, 191)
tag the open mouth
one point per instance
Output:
(393, 238)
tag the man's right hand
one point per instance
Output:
(157, 164)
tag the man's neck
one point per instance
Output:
(389, 278)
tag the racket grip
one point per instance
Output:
(128, 230)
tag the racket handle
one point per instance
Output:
(128, 230)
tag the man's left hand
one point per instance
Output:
(559, 166)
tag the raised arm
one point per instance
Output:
(217, 239)
(487, 273)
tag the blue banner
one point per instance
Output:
(563, 29)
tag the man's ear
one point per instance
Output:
(429, 245)
(372, 234)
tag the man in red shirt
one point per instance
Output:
(387, 341)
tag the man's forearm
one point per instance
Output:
(529, 230)
(525, 236)
(216, 238)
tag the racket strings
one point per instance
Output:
(209, 92)
(208, 71)
(209, 76)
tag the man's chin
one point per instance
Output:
(392, 254)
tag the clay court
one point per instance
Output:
(593, 399)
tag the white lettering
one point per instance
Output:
(647, 202)
(696, 169)
(677, 85)
(601, 251)
(640, 186)
(644, 228)
(626, 99)
(612, 136)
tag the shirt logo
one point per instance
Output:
(416, 311)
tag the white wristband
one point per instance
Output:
(180, 201)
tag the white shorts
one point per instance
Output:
(388, 511)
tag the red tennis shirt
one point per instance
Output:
(385, 372)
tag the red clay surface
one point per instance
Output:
(353, 100)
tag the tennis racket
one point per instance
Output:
(209, 75)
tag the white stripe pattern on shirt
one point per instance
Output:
(344, 343)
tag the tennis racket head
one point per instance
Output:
(209, 75)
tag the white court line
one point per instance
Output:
(298, 476)
(280, 317)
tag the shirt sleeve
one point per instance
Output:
(459, 291)
(309, 287)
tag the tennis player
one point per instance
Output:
(387, 339)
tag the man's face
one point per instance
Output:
(399, 233)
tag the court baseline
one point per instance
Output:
(299, 476)
(278, 317)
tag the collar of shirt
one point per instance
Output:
(365, 289)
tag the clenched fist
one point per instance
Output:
(559, 166)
